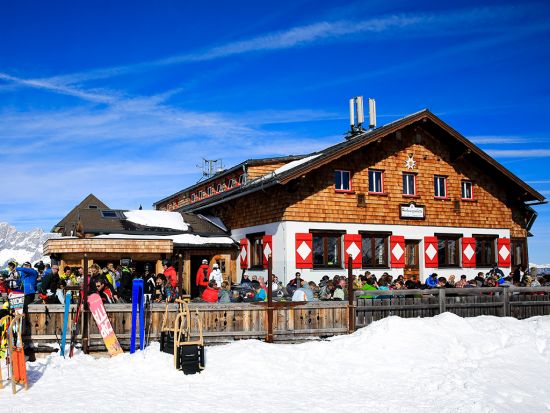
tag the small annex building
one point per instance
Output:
(143, 236)
(412, 197)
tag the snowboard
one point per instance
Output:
(68, 297)
(104, 325)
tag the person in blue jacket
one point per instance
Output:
(28, 281)
(431, 281)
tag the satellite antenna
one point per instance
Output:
(210, 167)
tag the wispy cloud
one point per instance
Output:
(445, 23)
(539, 182)
(519, 153)
(496, 139)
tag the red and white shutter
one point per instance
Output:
(397, 251)
(430, 252)
(267, 249)
(244, 253)
(304, 250)
(352, 246)
(468, 252)
(503, 252)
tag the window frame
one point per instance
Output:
(481, 243)
(466, 181)
(381, 181)
(193, 197)
(446, 179)
(219, 188)
(242, 179)
(255, 250)
(210, 191)
(231, 183)
(325, 235)
(371, 236)
(414, 175)
(458, 250)
(342, 172)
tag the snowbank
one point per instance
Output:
(440, 364)
(159, 219)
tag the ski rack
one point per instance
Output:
(6, 322)
(188, 354)
(18, 365)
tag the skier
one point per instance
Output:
(28, 279)
(14, 278)
(50, 284)
(203, 274)
(170, 274)
(149, 282)
(216, 275)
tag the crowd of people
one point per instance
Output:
(44, 283)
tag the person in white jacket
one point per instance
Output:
(216, 275)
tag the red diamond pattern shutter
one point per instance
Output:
(430, 252)
(268, 249)
(352, 246)
(503, 252)
(468, 252)
(244, 253)
(304, 250)
(397, 251)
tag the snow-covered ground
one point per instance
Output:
(440, 364)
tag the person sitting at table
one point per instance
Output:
(210, 293)
(260, 294)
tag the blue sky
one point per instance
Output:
(123, 99)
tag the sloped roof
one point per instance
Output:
(317, 159)
(69, 221)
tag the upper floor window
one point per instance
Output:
(467, 190)
(376, 182)
(242, 179)
(231, 183)
(219, 188)
(409, 184)
(327, 250)
(210, 191)
(202, 194)
(193, 197)
(440, 186)
(342, 180)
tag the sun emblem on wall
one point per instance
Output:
(410, 163)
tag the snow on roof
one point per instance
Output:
(180, 239)
(215, 221)
(159, 219)
(289, 166)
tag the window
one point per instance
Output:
(374, 249)
(202, 194)
(256, 250)
(485, 250)
(242, 179)
(108, 214)
(519, 252)
(193, 197)
(327, 250)
(342, 180)
(219, 188)
(467, 190)
(210, 191)
(448, 250)
(91, 206)
(376, 182)
(409, 184)
(440, 186)
(231, 183)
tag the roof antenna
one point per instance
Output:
(356, 125)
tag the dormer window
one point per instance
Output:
(193, 197)
(231, 183)
(242, 179)
(219, 188)
(342, 181)
(210, 191)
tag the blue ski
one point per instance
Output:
(65, 322)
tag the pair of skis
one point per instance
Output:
(15, 356)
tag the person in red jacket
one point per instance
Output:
(210, 294)
(203, 275)
(170, 274)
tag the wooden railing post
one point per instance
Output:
(442, 301)
(269, 337)
(351, 297)
(180, 274)
(85, 319)
(506, 301)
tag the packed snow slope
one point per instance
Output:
(440, 364)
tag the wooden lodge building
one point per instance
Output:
(412, 197)
(142, 236)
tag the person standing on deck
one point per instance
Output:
(216, 275)
(203, 275)
(170, 274)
